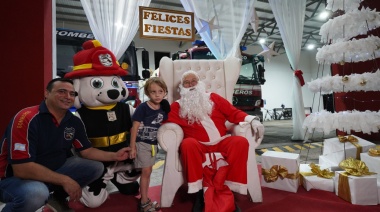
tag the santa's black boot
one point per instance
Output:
(199, 202)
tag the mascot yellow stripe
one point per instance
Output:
(83, 66)
(104, 107)
(108, 141)
(88, 66)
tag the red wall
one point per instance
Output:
(26, 61)
(360, 101)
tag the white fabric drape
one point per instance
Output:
(231, 19)
(289, 15)
(114, 22)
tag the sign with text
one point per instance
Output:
(166, 24)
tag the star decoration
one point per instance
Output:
(208, 26)
(268, 51)
(254, 21)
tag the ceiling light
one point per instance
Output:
(324, 15)
(262, 41)
(310, 46)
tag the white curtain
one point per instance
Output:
(114, 22)
(290, 15)
(230, 21)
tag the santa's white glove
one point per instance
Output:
(257, 127)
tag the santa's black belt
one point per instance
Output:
(108, 140)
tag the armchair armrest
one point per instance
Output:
(169, 137)
(244, 129)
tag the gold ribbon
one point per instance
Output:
(107, 141)
(353, 167)
(277, 171)
(374, 152)
(344, 187)
(354, 141)
(316, 170)
(349, 138)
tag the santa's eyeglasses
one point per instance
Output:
(188, 83)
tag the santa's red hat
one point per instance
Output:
(95, 60)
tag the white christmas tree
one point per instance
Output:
(341, 47)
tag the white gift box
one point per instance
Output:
(378, 191)
(331, 161)
(333, 145)
(373, 164)
(290, 161)
(363, 189)
(315, 182)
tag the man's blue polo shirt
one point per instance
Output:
(35, 136)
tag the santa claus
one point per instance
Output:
(202, 116)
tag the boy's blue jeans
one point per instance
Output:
(29, 195)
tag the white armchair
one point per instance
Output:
(220, 76)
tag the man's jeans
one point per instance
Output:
(29, 195)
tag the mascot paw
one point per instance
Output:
(95, 188)
(129, 188)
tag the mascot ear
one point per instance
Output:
(77, 103)
(165, 106)
(126, 94)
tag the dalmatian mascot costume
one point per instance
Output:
(96, 75)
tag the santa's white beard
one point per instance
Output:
(195, 103)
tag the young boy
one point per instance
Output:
(146, 120)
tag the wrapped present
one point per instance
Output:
(312, 176)
(378, 191)
(280, 170)
(356, 184)
(331, 161)
(351, 146)
(373, 163)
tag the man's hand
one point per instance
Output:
(123, 154)
(258, 130)
(72, 188)
(34, 171)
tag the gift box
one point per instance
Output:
(348, 147)
(378, 191)
(361, 190)
(310, 180)
(372, 162)
(331, 161)
(280, 170)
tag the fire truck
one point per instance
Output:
(247, 93)
(69, 42)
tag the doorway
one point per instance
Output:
(157, 58)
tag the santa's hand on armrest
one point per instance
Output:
(257, 127)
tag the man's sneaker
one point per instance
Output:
(47, 208)
(60, 204)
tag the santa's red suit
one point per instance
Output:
(210, 136)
